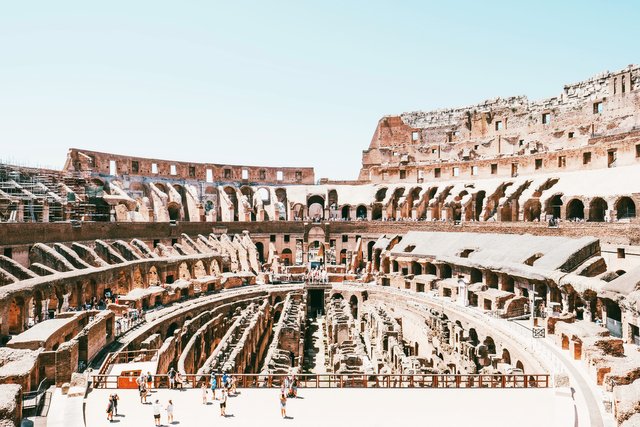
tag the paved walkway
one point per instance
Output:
(355, 407)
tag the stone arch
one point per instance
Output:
(332, 198)
(490, 344)
(361, 212)
(298, 211)
(260, 251)
(183, 196)
(183, 271)
(553, 205)
(381, 194)
(343, 256)
(416, 268)
(625, 208)
(152, 276)
(174, 210)
(346, 212)
(475, 275)
(170, 330)
(233, 198)
(506, 356)
(597, 209)
(287, 256)
(315, 205)
(429, 268)
(575, 209)
(478, 204)
(370, 246)
(519, 365)
(215, 268)
(532, 210)
(445, 271)
(199, 270)
(376, 212)
(16, 315)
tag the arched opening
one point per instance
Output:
(554, 205)
(597, 210)
(370, 246)
(478, 205)
(520, 366)
(506, 356)
(625, 208)
(532, 210)
(316, 207)
(445, 271)
(492, 279)
(287, 257)
(381, 194)
(353, 303)
(174, 211)
(343, 256)
(233, 199)
(376, 212)
(183, 196)
(16, 316)
(575, 209)
(490, 344)
(361, 212)
(337, 296)
(260, 250)
(476, 275)
(507, 283)
(346, 212)
(416, 268)
(430, 269)
(172, 328)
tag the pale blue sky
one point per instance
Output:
(282, 83)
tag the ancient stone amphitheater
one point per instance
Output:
(490, 246)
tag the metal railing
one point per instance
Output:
(350, 381)
(32, 401)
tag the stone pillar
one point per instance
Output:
(565, 303)
(20, 212)
(45, 211)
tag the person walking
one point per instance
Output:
(223, 403)
(204, 393)
(172, 378)
(214, 384)
(114, 399)
(156, 412)
(170, 412)
(110, 409)
(149, 380)
(143, 393)
(283, 404)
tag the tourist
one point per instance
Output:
(141, 380)
(179, 381)
(214, 384)
(110, 409)
(170, 412)
(156, 412)
(149, 380)
(114, 399)
(172, 378)
(225, 380)
(283, 404)
(143, 393)
(234, 385)
(223, 403)
(294, 387)
(204, 393)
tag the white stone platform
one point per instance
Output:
(347, 407)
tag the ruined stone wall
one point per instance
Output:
(429, 145)
(79, 160)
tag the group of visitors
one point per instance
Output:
(175, 379)
(317, 275)
(227, 388)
